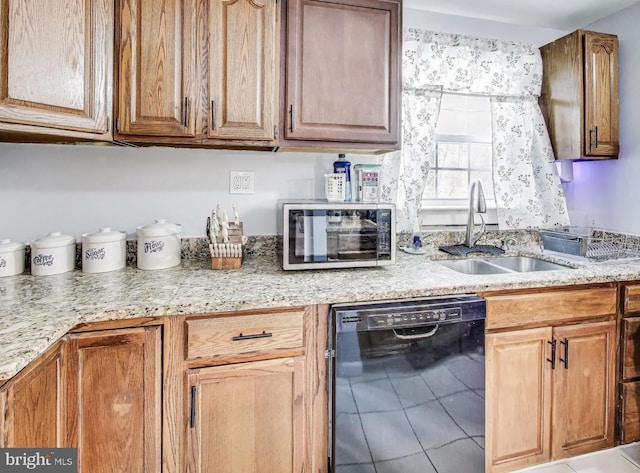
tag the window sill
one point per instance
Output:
(453, 216)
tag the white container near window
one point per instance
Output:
(53, 254)
(159, 245)
(11, 258)
(104, 250)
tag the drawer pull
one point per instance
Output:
(255, 335)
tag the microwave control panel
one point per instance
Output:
(384, 233)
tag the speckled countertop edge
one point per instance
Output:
(37, 311)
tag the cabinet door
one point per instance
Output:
(157, 68)
(56, 65)
(630, 412)
(33, 404)
(601, 94)
(243, 65)
(584, 389)
(518, 399)
(630, 347)
(114, 400)
(342, 70)
(247, 418)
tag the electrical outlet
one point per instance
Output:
(241, 182)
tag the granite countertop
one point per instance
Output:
(37, 311)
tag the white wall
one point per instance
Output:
(413, 18)
(607, 193)
(77, 189)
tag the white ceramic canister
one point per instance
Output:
(104, 250)
(159, 245)
(11, 258)
(53, 254)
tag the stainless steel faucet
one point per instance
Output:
(476, 206)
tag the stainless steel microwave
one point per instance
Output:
(321, 234)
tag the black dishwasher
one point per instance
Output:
(407, 390)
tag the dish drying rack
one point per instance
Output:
(591, 243)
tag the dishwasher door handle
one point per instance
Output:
(416, 336)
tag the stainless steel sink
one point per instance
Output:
(525, 264)
(472, 266)
(505, 264)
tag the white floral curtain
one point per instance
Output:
(528, 191)
(405, 173)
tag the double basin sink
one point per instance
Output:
(505, 264)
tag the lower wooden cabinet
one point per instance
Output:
(247, 417)
(114, 399)
(32, 404)
(550, 393)
(629, 415)
(234, 392)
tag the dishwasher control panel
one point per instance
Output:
(410, 319)
(408, 313)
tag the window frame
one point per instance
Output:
(453, 212)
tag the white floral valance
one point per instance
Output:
(473, 65)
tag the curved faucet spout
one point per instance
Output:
(476, 205)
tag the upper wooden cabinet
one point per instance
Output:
(243, 69)
(157, 78)
(342, 73)
(56, 69)
(198, 72)
(579, 97)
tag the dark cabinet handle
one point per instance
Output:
(553, 354)
(291, 118)
(594, 134)
(192, 414)
(186, 112)
(255, 335)
(565, 360)
(213, 114)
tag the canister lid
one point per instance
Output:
(159, 228)
(53, 240)
(8, 246)
(104, 235)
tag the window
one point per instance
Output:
(463, 155)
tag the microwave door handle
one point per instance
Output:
(417, 336)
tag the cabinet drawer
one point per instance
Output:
(238, 335)
(546, 307)
(631, 299)
(630, 347)
(630, 412)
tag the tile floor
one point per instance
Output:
(625, 459)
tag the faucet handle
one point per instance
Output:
(507, 243)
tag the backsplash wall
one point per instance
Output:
(78, 189)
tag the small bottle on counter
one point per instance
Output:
(342, 166)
